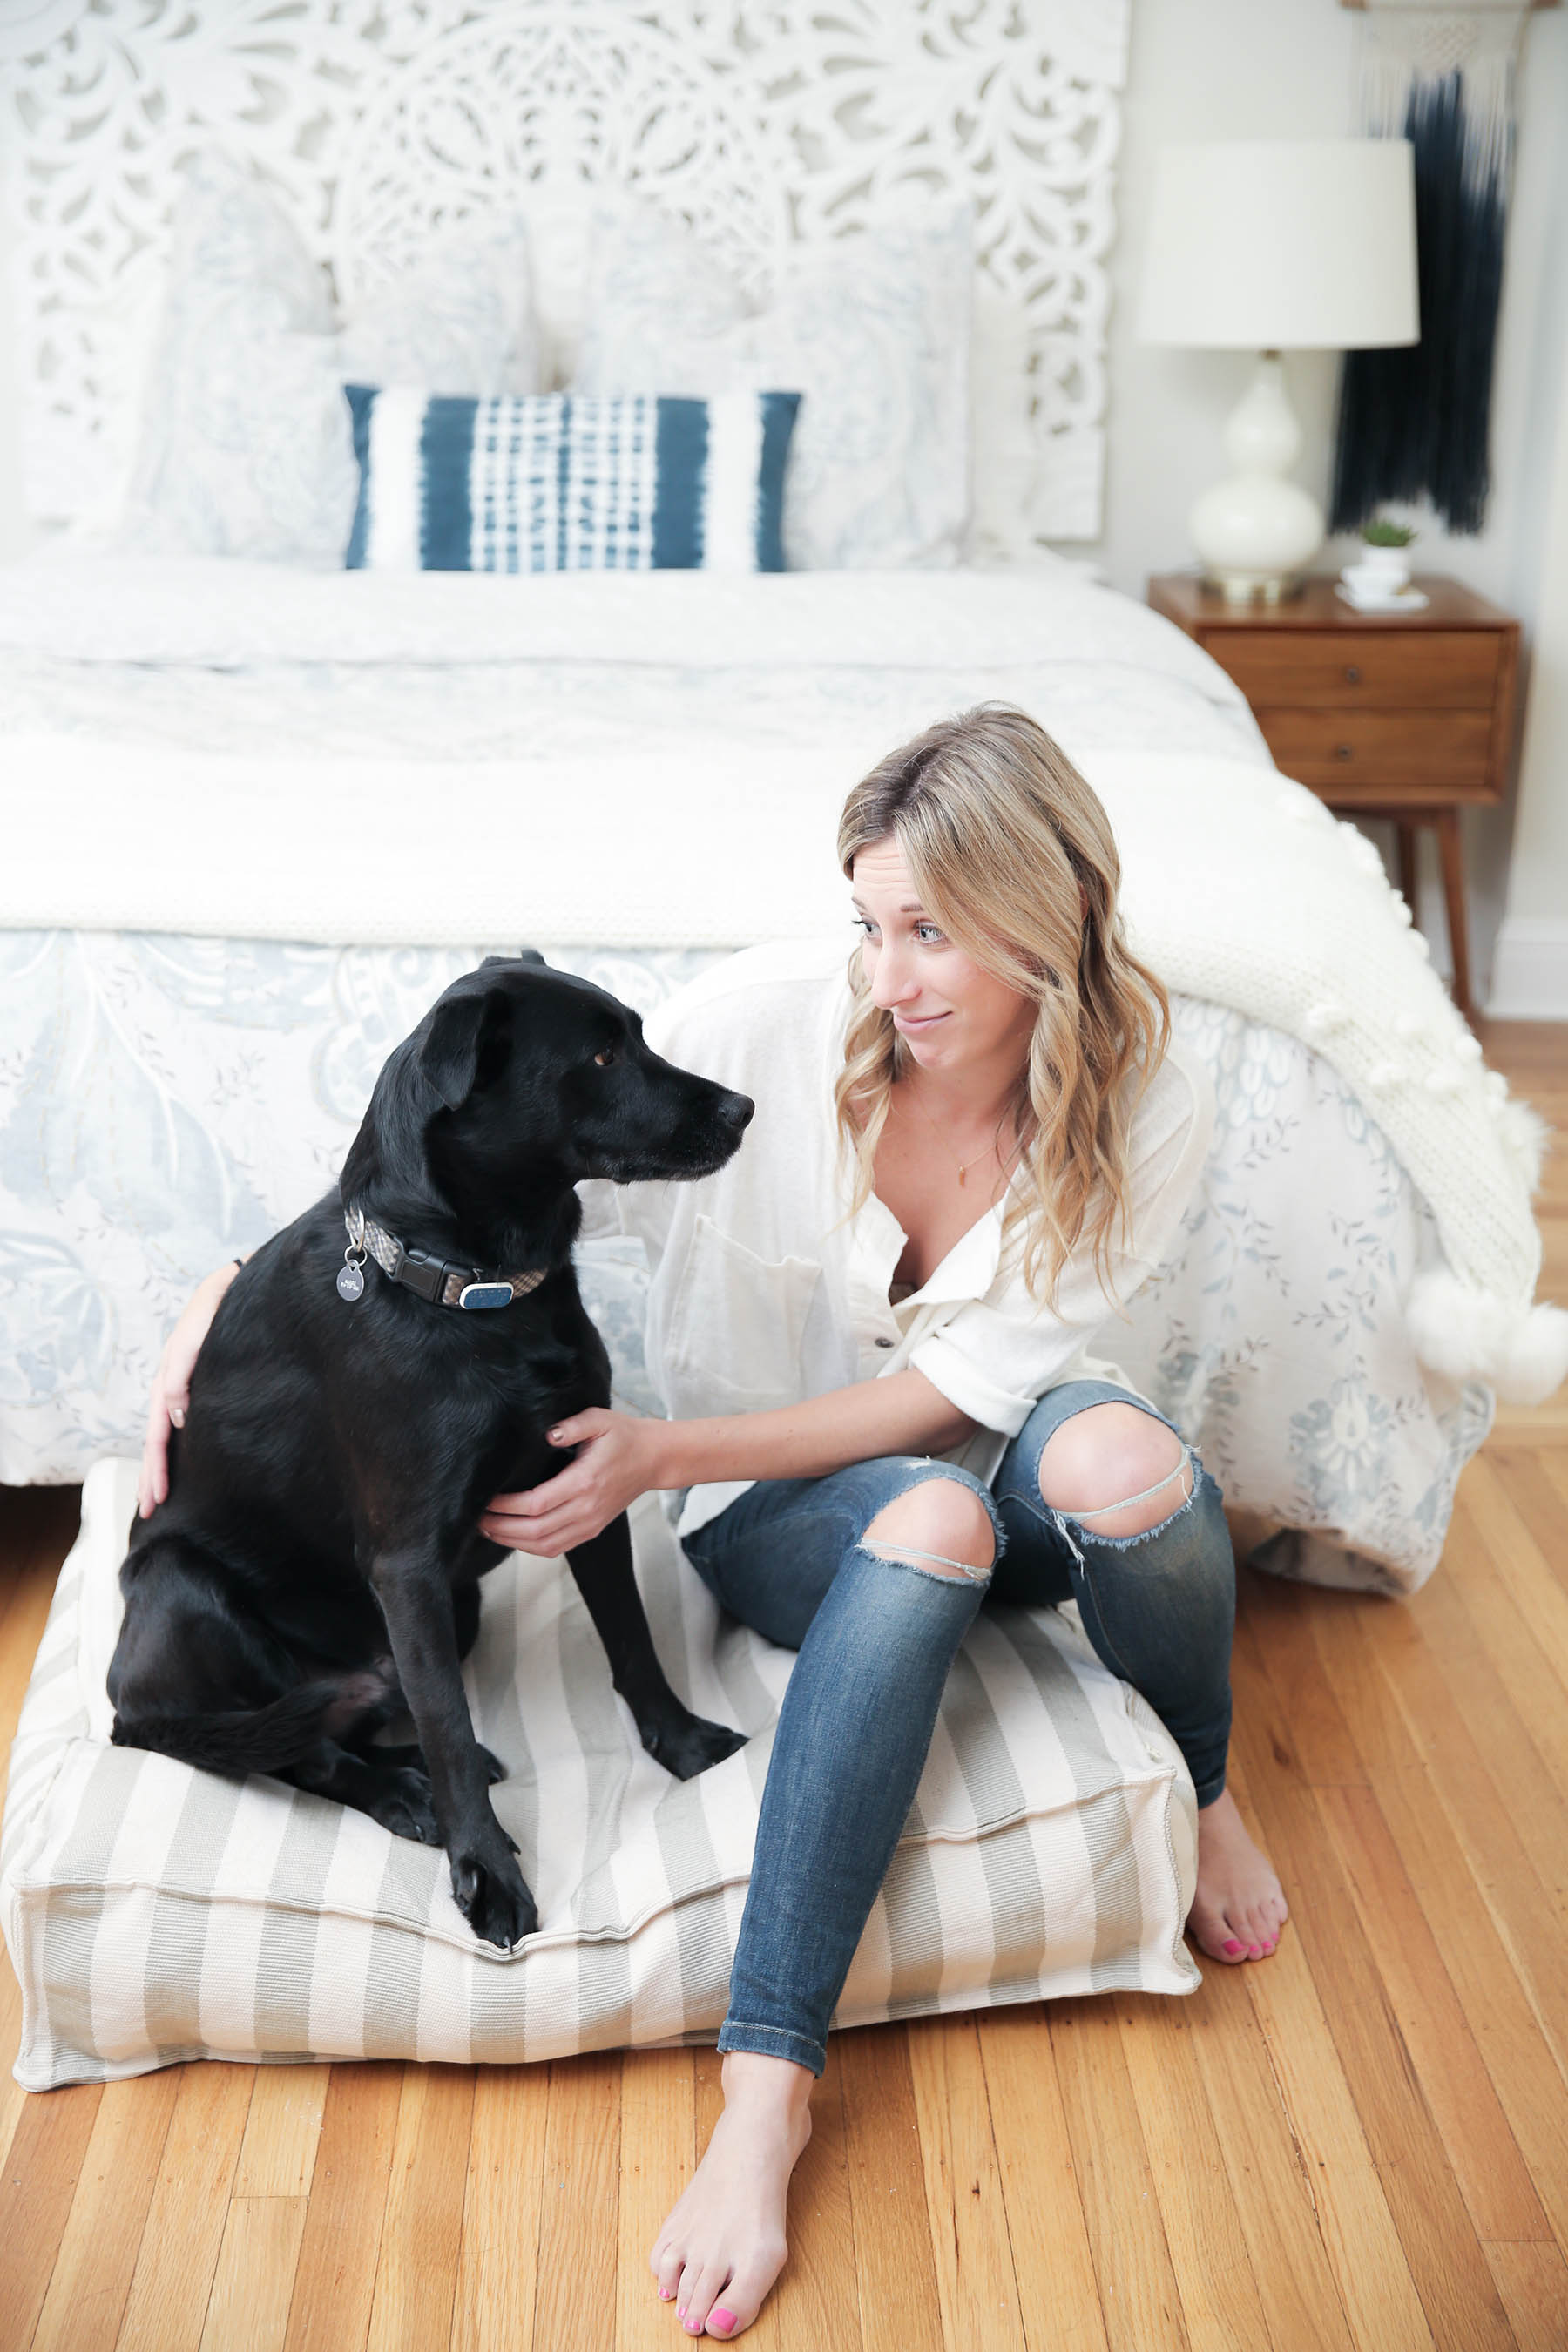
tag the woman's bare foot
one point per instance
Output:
(723, 2244)
(1239, 1907)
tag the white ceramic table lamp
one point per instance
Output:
(1265, 246)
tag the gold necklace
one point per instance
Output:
(964, 1165)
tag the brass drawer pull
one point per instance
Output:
(1353, 674)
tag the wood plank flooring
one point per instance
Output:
(1361, 2144)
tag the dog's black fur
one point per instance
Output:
(318, 1559)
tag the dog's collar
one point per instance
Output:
(433, 1277)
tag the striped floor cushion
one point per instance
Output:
(154, 1913)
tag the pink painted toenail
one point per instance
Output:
(1233, 1947)
(721, 2319)
(667, 2295)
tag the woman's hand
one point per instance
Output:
(619, 1461)
(172, 1387)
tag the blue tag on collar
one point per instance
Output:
(485, 1294)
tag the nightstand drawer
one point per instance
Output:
(1434, 670)
(1366, 754)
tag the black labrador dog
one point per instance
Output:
(362, 1395)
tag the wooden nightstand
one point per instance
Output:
(1401, 715)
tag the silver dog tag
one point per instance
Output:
(351, 1282)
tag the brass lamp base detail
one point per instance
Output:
(1253, 588)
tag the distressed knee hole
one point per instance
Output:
(934, 1563)
(1118, 1470)
(940, 1527)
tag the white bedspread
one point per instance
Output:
(244, 751)
(221, 613)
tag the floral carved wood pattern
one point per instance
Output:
(379, 121)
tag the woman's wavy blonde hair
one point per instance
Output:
(1000, 833)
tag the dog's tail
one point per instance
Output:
(270, 1738)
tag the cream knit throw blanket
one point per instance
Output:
(1238, 886)
(1295, 925)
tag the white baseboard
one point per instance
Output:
(1530, 970)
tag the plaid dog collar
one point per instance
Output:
(431, 1277)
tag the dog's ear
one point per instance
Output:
(467, 1041)
(523, 955)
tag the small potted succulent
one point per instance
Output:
(1385, 564)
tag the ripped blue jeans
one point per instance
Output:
(876, 1636)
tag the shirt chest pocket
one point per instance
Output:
(736, 1325)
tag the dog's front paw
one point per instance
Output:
(489, 1890)
(689, 1744)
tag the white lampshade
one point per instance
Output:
(1282, 245)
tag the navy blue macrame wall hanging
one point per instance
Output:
(1416, 422)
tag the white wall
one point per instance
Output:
(1531, 978)
(1233, 69)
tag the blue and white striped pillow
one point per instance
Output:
(555, 483)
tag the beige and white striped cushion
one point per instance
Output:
(155, 1913)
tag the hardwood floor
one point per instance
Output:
(1364, 2143)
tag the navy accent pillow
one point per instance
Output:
(553, 482)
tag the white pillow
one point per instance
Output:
(461, 323)
(872, 329)
(244, 445)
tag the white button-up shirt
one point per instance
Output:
(764, 1292)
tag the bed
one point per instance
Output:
(259, 809)
(203, 987)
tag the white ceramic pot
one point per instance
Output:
(1386, 570)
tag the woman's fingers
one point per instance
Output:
(506, 1528)
(546, 1520)
(511, 1506)
(166, 1411)
(572, 1507)
(542, 1538)
(153, 1485)
(579, 1427)
(551, 1493)
(531, 1503)
(171, 1388)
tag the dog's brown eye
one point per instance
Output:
(606, 1054)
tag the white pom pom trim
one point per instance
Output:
(1523, 1351)
(1525, 1135)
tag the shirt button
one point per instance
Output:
(884, 1343)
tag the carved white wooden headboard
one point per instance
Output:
(758, 121)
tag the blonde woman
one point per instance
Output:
(871, 1329)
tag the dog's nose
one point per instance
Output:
(739, 1110)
